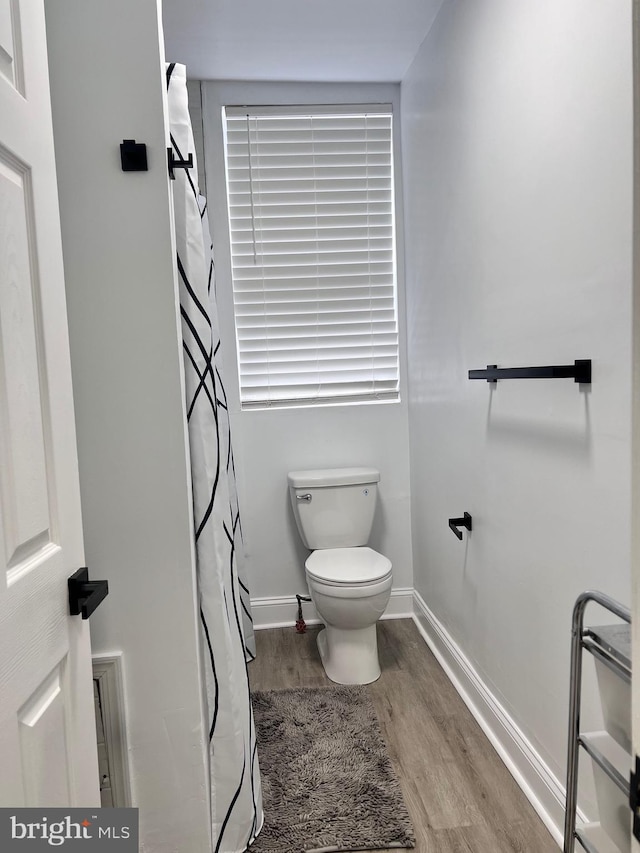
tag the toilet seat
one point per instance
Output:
(353, 567)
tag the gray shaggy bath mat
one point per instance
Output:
(327, 781)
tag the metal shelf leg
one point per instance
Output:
(575, 691)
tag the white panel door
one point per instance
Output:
(635, 400)
(47, 733)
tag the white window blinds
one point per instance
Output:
(311, 214)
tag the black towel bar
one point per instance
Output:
(579, 371)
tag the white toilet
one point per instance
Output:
(349, 583)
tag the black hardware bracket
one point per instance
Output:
(579, 371)
(85, 595)
(634, 798)
(133, 156)
(177, 164)
(465, 521)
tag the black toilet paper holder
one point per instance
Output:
(455, 523)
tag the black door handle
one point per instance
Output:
(85, 595)
(455, 523)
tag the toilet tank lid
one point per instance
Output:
(324, 477)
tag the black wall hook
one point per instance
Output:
(133, 156)
(455, 523)
(177, 164)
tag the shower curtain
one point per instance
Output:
(225, 610)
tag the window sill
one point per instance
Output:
(315, 404)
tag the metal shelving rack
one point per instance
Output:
(611, 645)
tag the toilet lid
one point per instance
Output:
(348, 565)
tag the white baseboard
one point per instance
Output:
(541, 787)
(282, 611)
(400, 604)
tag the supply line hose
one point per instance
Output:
(301, 625)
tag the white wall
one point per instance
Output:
(269, 443)
(517, 148)
(108, 84)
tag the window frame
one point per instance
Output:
(215, 95)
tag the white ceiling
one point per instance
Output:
(326, 40)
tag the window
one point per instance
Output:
(311, 214)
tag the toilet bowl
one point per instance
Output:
(349, 583)
(350, 588)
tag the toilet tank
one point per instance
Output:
(334, 507)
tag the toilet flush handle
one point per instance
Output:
(306, 497)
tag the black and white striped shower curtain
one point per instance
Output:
(225, 609)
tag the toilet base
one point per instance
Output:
(350, 656)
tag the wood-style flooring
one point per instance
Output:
(461, 797)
